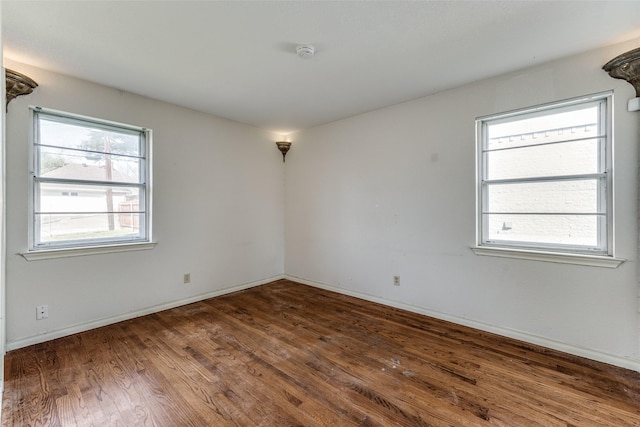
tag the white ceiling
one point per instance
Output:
(237, 60)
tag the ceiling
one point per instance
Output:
(237, 59)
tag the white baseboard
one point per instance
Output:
(51, 335)
(506, 332)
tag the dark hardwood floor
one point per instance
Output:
(286, 354)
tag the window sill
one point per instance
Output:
(562, 258)
(90, 250)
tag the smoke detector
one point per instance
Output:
(305, 51)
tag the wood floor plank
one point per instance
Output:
(388, 365)
(286, 354)
(256, 356)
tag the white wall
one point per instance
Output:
(392, 192)
(2, 219)
(218, 200)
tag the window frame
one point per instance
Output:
(576, 254)
(44, 250)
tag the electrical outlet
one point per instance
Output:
(187, 278)
(42, 312)
(396, 280)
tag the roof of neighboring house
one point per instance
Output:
(87, 172)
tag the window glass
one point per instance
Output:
(90, 184)
(544, 177)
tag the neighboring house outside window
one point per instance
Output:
(545, 178)
(89, 182)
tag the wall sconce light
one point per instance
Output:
(284, 147)
(17, 84)
(627, 67)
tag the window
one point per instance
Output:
(545, 178)
(89, 182)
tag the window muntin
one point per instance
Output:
(544, 178)
(104, 166)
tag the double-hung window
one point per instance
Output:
(545, 178)
(89, 182)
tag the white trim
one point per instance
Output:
(561, 258)
(82, 327)
(3, 229)
(506, 332)
(82, 251)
